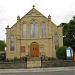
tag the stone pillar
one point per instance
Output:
(18, 41)
(7, 41)
(18, 27)
(50, 36)
(60, 31)
(49, 25)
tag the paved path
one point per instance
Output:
(54, 69)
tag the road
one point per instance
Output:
(43, 73)
(39, 71)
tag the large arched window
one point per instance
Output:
(34, 30)
(24, 30)
(56, 40)
(43, 30)
(31, 30)
(12, 43)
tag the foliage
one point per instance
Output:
(20, 59)
(61, 52)
(48, 58)
(69, 33)
(51, 58)
(2, 45)
(2, 56)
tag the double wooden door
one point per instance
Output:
(34, 50)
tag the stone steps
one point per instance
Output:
(33, 59)
(33, 62)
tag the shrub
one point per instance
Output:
(20, 59)
(51, 58)
(61, 52)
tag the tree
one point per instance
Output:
(61, 52)
(69, 33)
(2, 45)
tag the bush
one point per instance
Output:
(51, 58)
(61, 52)
(2, 56)
(20, 59)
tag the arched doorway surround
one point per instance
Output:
(34, 49)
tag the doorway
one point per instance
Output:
(34, 50)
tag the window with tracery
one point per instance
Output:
(43, 30)
(56, 41)
(24, 30)
(34, 30)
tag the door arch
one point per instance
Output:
(34, 49)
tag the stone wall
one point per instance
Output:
(44, 64)
(57, 63)
(12, 65)
(34, 62)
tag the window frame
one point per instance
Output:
(24, 30)
(34, 30)
(43, 30)
(56, 41)
(12, 43)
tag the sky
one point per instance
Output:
(60, 11)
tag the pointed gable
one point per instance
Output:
(33, 12)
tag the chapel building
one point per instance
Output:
(33, 35)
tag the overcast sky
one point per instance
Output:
(60, 11)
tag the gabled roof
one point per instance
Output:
(33, 12)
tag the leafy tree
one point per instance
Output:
(2, 45)
(61, 52)
(69, 33)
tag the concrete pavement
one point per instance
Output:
(37, 70)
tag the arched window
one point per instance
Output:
(56, 40)
(24, 30)
(43, 30)
(31, 30)
(12, 43)
(34, 30)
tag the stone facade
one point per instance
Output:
(21, 45)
